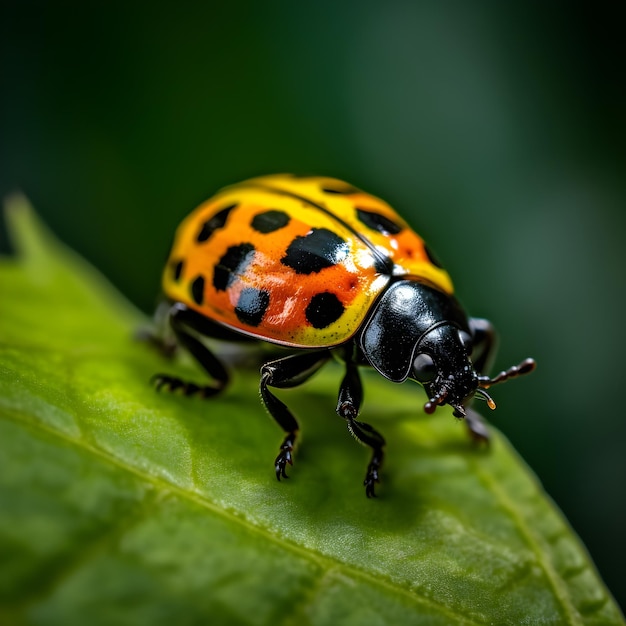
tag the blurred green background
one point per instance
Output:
(496, 128)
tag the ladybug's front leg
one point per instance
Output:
(484, 340)
(476, 426)
(290, 371)
(348, 407)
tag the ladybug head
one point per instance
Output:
(442, 365)
(418, 332)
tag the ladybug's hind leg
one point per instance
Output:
(158, 335)
(289, 371)
(348, 407)
(182, 321)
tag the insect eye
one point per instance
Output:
(466, 340)
(424, 368)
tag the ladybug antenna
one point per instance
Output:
(435, 401)
(483, 395)
(525, 367)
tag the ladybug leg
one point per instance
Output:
(485, 343)
(181, 320)
(348, 407)
(289, 371)
(159, 338)
(476, 427)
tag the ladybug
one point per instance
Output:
(326, 270)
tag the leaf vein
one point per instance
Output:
(534, 543)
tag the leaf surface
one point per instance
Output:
(121, 505)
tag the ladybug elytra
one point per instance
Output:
(325, 269)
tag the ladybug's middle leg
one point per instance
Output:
(289, 371)
(348, 406)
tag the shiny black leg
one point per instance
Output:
(348, 407)
(183, 321)
(485, 344)
(476, 427)
(289, 371)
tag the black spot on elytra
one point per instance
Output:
(269, 221)
(432, 258)
(233, 263)
(213, 223)
(197, 289)
(252, 305)
(177, 270)
(378, 222)
(340, 189)
(318, 249)
(323, 309)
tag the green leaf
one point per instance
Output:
(119, 505)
